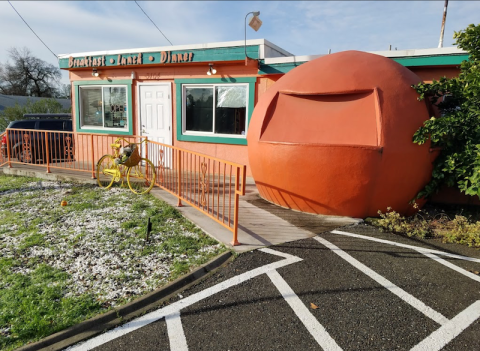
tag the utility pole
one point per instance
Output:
(440, 43)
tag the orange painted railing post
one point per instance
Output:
(47, 152)
(93, 156)
(8, 150)
(238, 191)
(146, 156)
(179, 178)
(146, 147)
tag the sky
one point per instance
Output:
(300, 27)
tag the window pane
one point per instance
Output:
(91, 106)
(115, 107)
(231, 109)
(50, 125)
(231, 96)
(199, 109)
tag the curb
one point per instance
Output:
(43, 175)
(108, 320)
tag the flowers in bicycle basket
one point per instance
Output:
(125, 153)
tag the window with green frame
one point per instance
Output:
(214, 110)
(104, 108)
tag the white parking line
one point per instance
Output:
(447, 332)
(309, 321)
(188, 301)
(449, 329)
(178, 342)
(420, 249)
(410, 299)
(451, 266)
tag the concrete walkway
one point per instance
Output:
(260, 222)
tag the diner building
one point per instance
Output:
(199, 97)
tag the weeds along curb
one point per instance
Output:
(108, 320)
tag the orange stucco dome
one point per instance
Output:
(334, 136)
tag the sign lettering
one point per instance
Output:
(124, 60)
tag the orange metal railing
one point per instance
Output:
(211, 185)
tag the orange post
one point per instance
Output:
(146, 147)
(146, 156)
(47, 153)
(8, 150)
(93, 157)
(179, 177)
(238, 191)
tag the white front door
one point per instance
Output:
(156, 112)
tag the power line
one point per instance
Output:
(32, 30)
(153, 22)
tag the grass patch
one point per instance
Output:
(34, 305)
(62, 265)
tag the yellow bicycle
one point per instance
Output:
(140, 172)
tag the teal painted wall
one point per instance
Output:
(236, 53)
(441, 60)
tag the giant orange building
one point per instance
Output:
(202, 98)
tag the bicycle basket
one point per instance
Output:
(134, 158)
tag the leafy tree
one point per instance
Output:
(457, 131)
(28, 75)
(41, 106)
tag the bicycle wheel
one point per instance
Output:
(105, 171)
(141, 178)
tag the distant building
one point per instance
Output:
(11, 100)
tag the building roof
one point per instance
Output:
(221, 51)
(409, 58)
(11, 100)
(272, 58)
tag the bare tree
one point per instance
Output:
(28, 75)
(64, 91)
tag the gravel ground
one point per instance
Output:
(101, 256)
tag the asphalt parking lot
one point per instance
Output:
(351, 289)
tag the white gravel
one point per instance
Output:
(101, 257)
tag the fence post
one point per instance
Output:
(47, 152)
(93, 156)
(8, 149)
(235, 241)
(179, 177)
(146, 156)
(146, 147)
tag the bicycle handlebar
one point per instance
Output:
(117, 144)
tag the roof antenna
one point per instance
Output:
(440, 43)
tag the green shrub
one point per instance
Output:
(463, 232)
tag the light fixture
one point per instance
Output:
(133, 75)
(95, 72)
(255, 23)
(211, 69)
